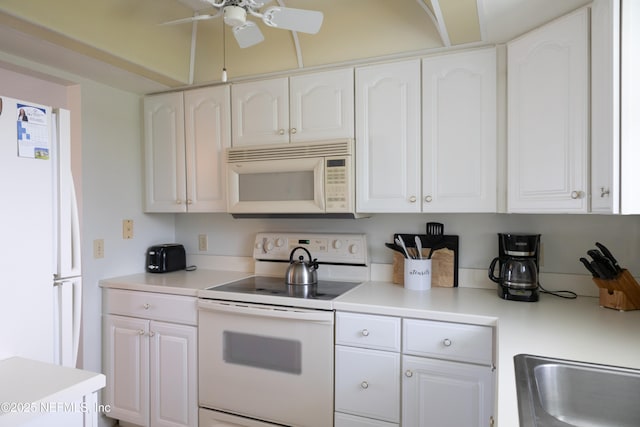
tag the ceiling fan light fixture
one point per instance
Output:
(234, 16)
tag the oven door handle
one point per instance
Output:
(267, 311)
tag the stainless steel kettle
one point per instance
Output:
(300, 272)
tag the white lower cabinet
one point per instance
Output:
(444, 370)
(446, 394)
(150, 363)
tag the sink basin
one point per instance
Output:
(555, 393)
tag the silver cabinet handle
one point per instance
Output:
(428, 199)
(447, 342)
(365, 332)
(576, 195)
(151, 334)
(281, 132)
(140, 331)
(294, 131)
(364, 385)
(178, 202)
(412, 199)
(146, 306)
(604, 192)
(408, 373)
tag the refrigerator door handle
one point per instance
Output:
(67, 312)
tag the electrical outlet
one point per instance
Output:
(127, 229)
(98, 248)
(203, 242)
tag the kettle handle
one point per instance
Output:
(295, 249)
(492, 269)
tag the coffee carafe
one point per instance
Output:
(517, 262)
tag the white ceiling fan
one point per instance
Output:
(247, 33)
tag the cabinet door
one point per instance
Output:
(260, 112)
(126, 365)
(367, 383)
(321, 106)
(207, 135)
(459, 132)
(605, 106)
(446, 394)
(173, 375)
(548, 117)
(164, 153)
(388, 137)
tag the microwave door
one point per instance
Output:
(277, 186)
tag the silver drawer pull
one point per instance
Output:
(151, 333)
(447, 342)
(408, 373)
(365, 332)
(146, 306)
(140, 331)
(364, 384)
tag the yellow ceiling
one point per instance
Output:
(126, 34)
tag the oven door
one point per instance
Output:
(269, 363)
(276, 186)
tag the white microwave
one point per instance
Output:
(298, 179)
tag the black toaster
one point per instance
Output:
(166, 258)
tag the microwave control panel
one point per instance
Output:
(337, 248)
(338, 184)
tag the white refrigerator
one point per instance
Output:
(41, 285)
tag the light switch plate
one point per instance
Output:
(203, 242)
(98, 248)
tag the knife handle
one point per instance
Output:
(609, 255)
(589, 267)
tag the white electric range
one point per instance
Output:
(265, 347)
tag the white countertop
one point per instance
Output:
(555, 327)
(177, 282)
(28, 386)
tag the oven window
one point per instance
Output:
(277, 354)
(276, 186)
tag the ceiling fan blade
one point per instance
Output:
(248, 34)
(192, 19)
(288, 18)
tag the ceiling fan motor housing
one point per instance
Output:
(235, 16)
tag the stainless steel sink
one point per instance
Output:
(556, 393)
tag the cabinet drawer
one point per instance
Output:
(368, 383)
(369, 331)
(148, 305)
(453, 341)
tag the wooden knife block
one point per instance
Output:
(621, 293)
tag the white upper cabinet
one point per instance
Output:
(164, 151)
(321, 106)
(260, 112)
(308, 107)
(388, 137)
(548, 117)
(615, 106)
(186, 134)
(459, 132)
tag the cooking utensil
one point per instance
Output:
(609, 256)
(435, 247)
(435, 229)
(395, 247)
(301, 272)
(419, 246)
(588, 266)
(400, 242)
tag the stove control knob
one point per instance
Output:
(279, 242)
(268, 246)
(354, 249)
(337, 244)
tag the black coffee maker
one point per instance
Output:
(518, 258)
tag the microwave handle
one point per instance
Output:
(316, 316)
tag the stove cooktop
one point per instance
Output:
(275, 286)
